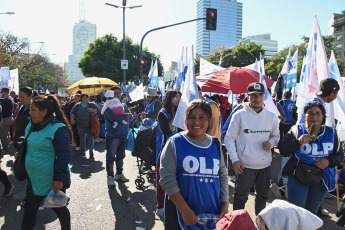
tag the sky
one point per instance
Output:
(52, 22)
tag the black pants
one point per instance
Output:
(261, 180)
(170, 214)
(32, 203)
(4, 178)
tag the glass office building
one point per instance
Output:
(270, 46)
(229, 26)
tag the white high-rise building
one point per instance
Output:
(83, 34)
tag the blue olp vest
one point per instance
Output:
(161, 139)
(197, 173)
(289, 105)
(150, 109)
(321, 148)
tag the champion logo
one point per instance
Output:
(255, 131)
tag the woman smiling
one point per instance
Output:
(193, 173)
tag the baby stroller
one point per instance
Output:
(145, 151)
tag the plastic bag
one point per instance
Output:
(55, 199)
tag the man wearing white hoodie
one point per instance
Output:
(252, 132)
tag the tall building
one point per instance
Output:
(271, 46)
(229, 25)
(339, 34)
(83, 34)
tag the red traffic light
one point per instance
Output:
(142, 62)
(213, 14)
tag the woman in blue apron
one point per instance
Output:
(323, 151)
(193, 172)
(165, 129)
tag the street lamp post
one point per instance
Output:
(124, 33)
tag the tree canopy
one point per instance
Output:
(34, 68)
(274, 65)
(104, 55)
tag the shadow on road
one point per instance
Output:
(84, 166)
(131, 207)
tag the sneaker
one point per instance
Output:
(8, 190)
(76, 148)
(324, 212)
(97, 140)
(159, 212)
(121, 177)
(275, 190)
(91, 156)
(111, 181)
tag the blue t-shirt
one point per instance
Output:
(288, 108)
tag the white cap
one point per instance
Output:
(109, 93)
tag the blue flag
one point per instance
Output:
(125, 91)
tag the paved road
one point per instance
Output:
(94, 205)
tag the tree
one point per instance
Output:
(239, 56)
(274, 66)
(104, 55)
(34, 69)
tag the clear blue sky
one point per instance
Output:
(52, 22)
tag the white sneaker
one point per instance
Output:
(121, 177)
(76, 148)
(111, 181)
(159, 212)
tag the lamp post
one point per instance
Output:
(124, 36)
(9, 13)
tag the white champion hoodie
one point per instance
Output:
(246, 134)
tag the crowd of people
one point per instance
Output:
(191, 165)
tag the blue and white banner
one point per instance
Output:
(154, 78)
(179, 72)
(291, 78)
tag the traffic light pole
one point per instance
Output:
(158, 28)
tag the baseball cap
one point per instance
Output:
(255, 87)
(327, 86)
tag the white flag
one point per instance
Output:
(189, 93)
(207, 67)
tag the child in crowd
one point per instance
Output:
(114, 104)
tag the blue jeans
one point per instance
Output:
(115, 153)
(309, 197)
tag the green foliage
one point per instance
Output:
(34, 69)
(274, 66)
(239, 56)
(104, 55)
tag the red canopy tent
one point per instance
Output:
(233, 78)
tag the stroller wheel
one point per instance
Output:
(139, 183)
(151, 177)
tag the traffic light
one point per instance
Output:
(211, 19)
(142, 63)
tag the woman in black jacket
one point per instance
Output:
(322, 150)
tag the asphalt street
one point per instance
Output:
(94, 205)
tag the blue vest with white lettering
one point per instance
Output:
(197, 173)
(321, 148)
(289, 105)
(150, 109)
(161, 138)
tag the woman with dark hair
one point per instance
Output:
(22, 115)
(165, 129)
(49, 139)
(193, 172)
(81, 115)
(311, 143)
